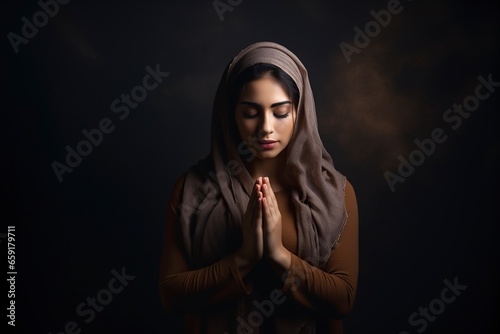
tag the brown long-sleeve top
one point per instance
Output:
(305, 299)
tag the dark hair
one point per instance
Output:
(259, 71)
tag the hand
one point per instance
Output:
(252, 248)
(272, 228)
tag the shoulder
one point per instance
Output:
(349, 189)
(350, 197)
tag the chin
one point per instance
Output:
(264, 155)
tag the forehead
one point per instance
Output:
(264, 88)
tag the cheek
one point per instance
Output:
(285, 127)
(246, 127)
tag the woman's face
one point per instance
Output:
(265, 117)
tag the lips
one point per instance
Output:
(268, 144)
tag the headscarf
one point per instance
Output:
(217, 190)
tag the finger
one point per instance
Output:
(259, 181)
(258, 203)
(269, 197)
(272, 196)
(271, 191)
(267, 183)
(259, 213)
(268, 221)
(266, 211)
(260, 193)
(259, 184)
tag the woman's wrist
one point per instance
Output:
(244, 262)
(281, 259)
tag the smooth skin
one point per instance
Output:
(264, 113)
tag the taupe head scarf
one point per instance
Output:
(217, 189)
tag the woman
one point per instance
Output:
(262, 235)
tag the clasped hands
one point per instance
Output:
(262, 230)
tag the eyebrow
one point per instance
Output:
(258, 106)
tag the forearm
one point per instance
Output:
(197, 289)
(329, 293)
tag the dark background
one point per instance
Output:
(441, 223)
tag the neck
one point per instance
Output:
(273, 168)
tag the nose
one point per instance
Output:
(266, 126)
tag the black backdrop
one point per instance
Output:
(440, 224)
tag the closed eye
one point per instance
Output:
(250, 115)
(281, 109)
(282, 115)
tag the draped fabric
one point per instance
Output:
(217, 189)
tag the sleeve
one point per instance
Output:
(330, 291)
(182, 289)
